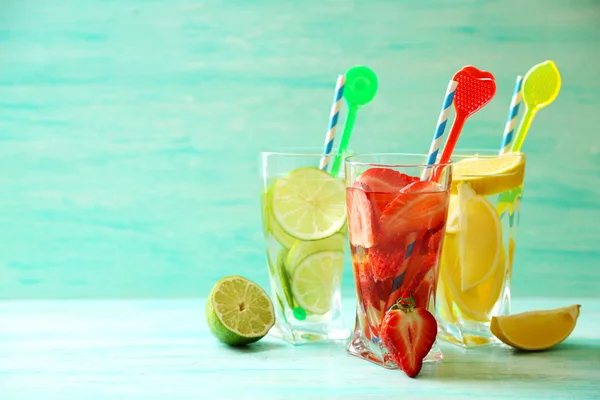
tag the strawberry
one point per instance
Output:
(425, 291)
(419, 206)
(361, 222)
(382, 185)
(432, 241)
(384, 180)
(421, 282)
(373, 292)
(408, 333)
(387, 259)
(418, 266)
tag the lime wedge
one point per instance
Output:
(480, 237)
(302, 249)
(489, 176)
(238, 311)
(315, 279)
(309, 204)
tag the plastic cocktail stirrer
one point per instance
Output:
(360, 89)
(540, 87)
(474, 90)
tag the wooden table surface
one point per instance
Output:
(161, 349)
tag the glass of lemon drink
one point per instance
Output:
(304, 220)
(479, 244)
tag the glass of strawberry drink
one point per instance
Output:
(396, 226)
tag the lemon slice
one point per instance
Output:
(536, 330)
(452, 223)
(309, 204)
(480, 237)
(478, 302)
(238, 311)
(315, 279)
(490, 175)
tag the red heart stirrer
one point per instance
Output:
(474, 90)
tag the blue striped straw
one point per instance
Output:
(439, 130)
(513, 111)
(333, 120)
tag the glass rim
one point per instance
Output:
(348, 161)
(484, 153)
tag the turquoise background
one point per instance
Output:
(130, 130)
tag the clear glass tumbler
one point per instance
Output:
(304, 219)
(479, 244)
(396, 226)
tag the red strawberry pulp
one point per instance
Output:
(396, 225)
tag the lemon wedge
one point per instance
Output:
(480, 237)
(476, 303)
(536, 330)
(452, 222)
(490, 175)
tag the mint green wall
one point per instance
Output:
(130, 130)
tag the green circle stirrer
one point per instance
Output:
(360, 89)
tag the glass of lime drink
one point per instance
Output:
(304, 220)
(479, 244)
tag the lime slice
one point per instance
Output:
(270, 224)
(301, 249)
(238, 311)
(284, 277)
(480, 237)
(489, 175)
(452, 223)
(315, 279)
(309, 204)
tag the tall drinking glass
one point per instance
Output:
(304, 219)
(479, 243)
(396, 226)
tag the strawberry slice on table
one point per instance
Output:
(419, 206)
(362, 225)
(408, 333)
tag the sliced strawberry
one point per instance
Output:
(384, 180)
(426, 291)
(432, 241)
(387, 259)
(373, 292)
(418, 266)
(418, 286)
(408, 333)
(419, 206)
(361, 222)
(380, 201)
(382, 185)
